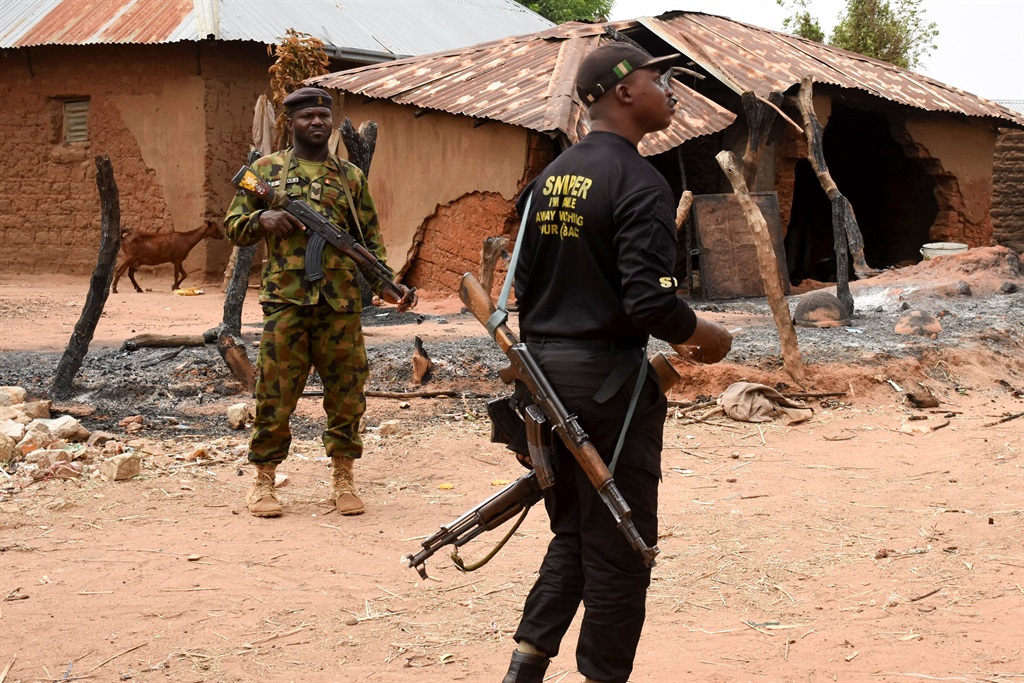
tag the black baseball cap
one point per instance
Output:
(609, 64)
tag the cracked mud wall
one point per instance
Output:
(441, 184)
(1007, 197)
(169, 123)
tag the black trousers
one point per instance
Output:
(589, 560)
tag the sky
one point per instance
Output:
(980, 46)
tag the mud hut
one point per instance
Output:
(462, 131)
(167, 90)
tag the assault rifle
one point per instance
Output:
(321, 231)
(525, 491)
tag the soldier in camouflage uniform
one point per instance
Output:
(308, 323)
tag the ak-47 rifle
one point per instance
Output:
(524, 492)
(322, 230)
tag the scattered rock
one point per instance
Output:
(12, 414)
(962, 288)
(7, 448)
(1008, 288)
(10, 396)
(12, 429)
(124, 466)
(133, 419)
(918, 322)
(35, 409)
(67, 428)
(100, 438)
(36, 436)
(390, 428)
(239, 414)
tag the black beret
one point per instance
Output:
(609, 64)
(306, 97)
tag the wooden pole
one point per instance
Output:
(845, 232)
(760, 117)
(767, 264)
(99, 285)
(492, 249)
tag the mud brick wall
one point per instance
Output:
(175, 121)
(1007, 194)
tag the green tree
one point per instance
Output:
(800, 22)
(893, 31)
(561, 11)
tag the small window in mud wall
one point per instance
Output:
(76, 120)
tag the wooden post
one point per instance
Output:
(99, 285)
(760, 117)
(683, 210)
(492, 249)
(767, 263)
(844, 223)
(361, 144)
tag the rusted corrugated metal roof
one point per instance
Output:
(97, 21)
(746, 57)
(523, 81)
(365, 30)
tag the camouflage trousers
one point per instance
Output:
(294, 339)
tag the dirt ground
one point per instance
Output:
(874, 542)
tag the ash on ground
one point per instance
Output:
(978, 297)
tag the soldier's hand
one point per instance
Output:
(280, 223)
(405, 300)
(709, 343)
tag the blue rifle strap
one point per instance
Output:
(641, 376)
(500, 314)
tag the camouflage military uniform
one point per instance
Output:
(305, 322)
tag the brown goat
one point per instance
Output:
(154, 248)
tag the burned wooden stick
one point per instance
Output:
(845, 231)
(768, 265)
(760, 117)
(99, 284)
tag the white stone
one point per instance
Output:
(11, 395)
(68, 428)
(12, 429)
(124, 466)
(238, 414)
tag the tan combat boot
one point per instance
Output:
(343, 486)
(263, 500)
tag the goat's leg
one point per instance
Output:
(179, 275)
(131, 276)
(117, 276)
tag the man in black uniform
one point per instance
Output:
(594, 280)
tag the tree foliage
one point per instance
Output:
(801, 23)
(299, 56)
(561, 11)
(893, 31)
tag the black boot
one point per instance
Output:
(526, 668)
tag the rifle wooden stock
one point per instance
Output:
(320, 230)
(523, 367)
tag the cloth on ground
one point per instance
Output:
(749, 402)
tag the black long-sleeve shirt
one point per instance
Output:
(599, 249)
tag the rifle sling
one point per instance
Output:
(458, 561)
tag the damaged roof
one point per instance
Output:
(524, 81)
(746, 57)
(364, 30)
